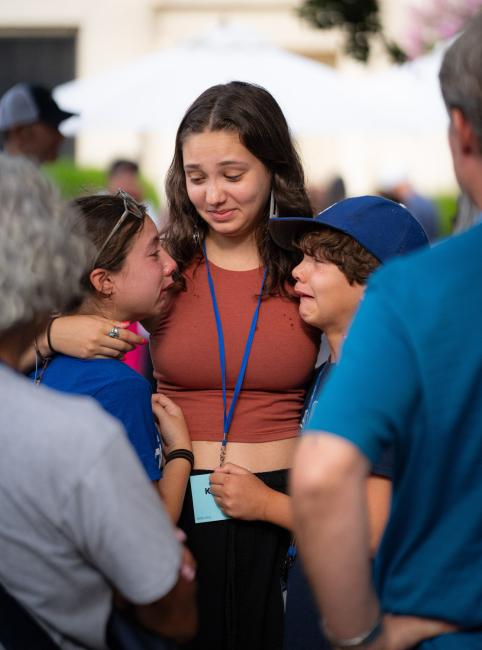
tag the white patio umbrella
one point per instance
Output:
(404, 98)
(152, 93)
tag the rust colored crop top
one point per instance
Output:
(185, 356)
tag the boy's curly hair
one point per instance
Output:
(330, 245)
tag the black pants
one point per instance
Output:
(239, 568)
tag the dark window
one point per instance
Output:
(46, 58)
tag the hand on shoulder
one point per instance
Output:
(87, 337)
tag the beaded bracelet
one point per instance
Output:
(180, 453)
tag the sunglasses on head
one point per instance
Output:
(130, 208)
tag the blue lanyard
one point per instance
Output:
(228, 415)
(314, 393)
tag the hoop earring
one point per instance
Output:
(273, 208)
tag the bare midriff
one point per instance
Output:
(255, 456)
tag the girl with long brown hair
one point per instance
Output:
(231, 350)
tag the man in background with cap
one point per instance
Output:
(29, 121)
(412, 368)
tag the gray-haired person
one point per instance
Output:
(412, 368)
(78, 517)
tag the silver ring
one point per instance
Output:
(114, 332)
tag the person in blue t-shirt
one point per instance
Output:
(341, 247)
(125, 281)
(411, 378)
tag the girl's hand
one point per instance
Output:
(171, 422)
(87, 337)
(239, 493)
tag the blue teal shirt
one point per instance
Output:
(412, 368)
(121, 391)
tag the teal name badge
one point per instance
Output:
(205, 507)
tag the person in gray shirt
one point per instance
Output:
(79, 520)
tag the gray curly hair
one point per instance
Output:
(42, 252)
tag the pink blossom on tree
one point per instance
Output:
(435, 21)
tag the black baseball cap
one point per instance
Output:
(28, 103)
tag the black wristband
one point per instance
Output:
(49, 334)
(180, 453)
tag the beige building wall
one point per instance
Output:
(114, 32)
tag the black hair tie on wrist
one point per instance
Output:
(180, 453)
(49, 335)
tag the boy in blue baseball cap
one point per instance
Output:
(341, 247)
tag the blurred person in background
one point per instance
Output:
(322, 197)
(79, 518)
(335, 191)
(125, 175)
(394, 185)
(29, 121)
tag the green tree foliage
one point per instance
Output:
(359, 20)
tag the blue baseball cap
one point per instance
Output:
(383, 227)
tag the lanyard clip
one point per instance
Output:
(222, 453)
